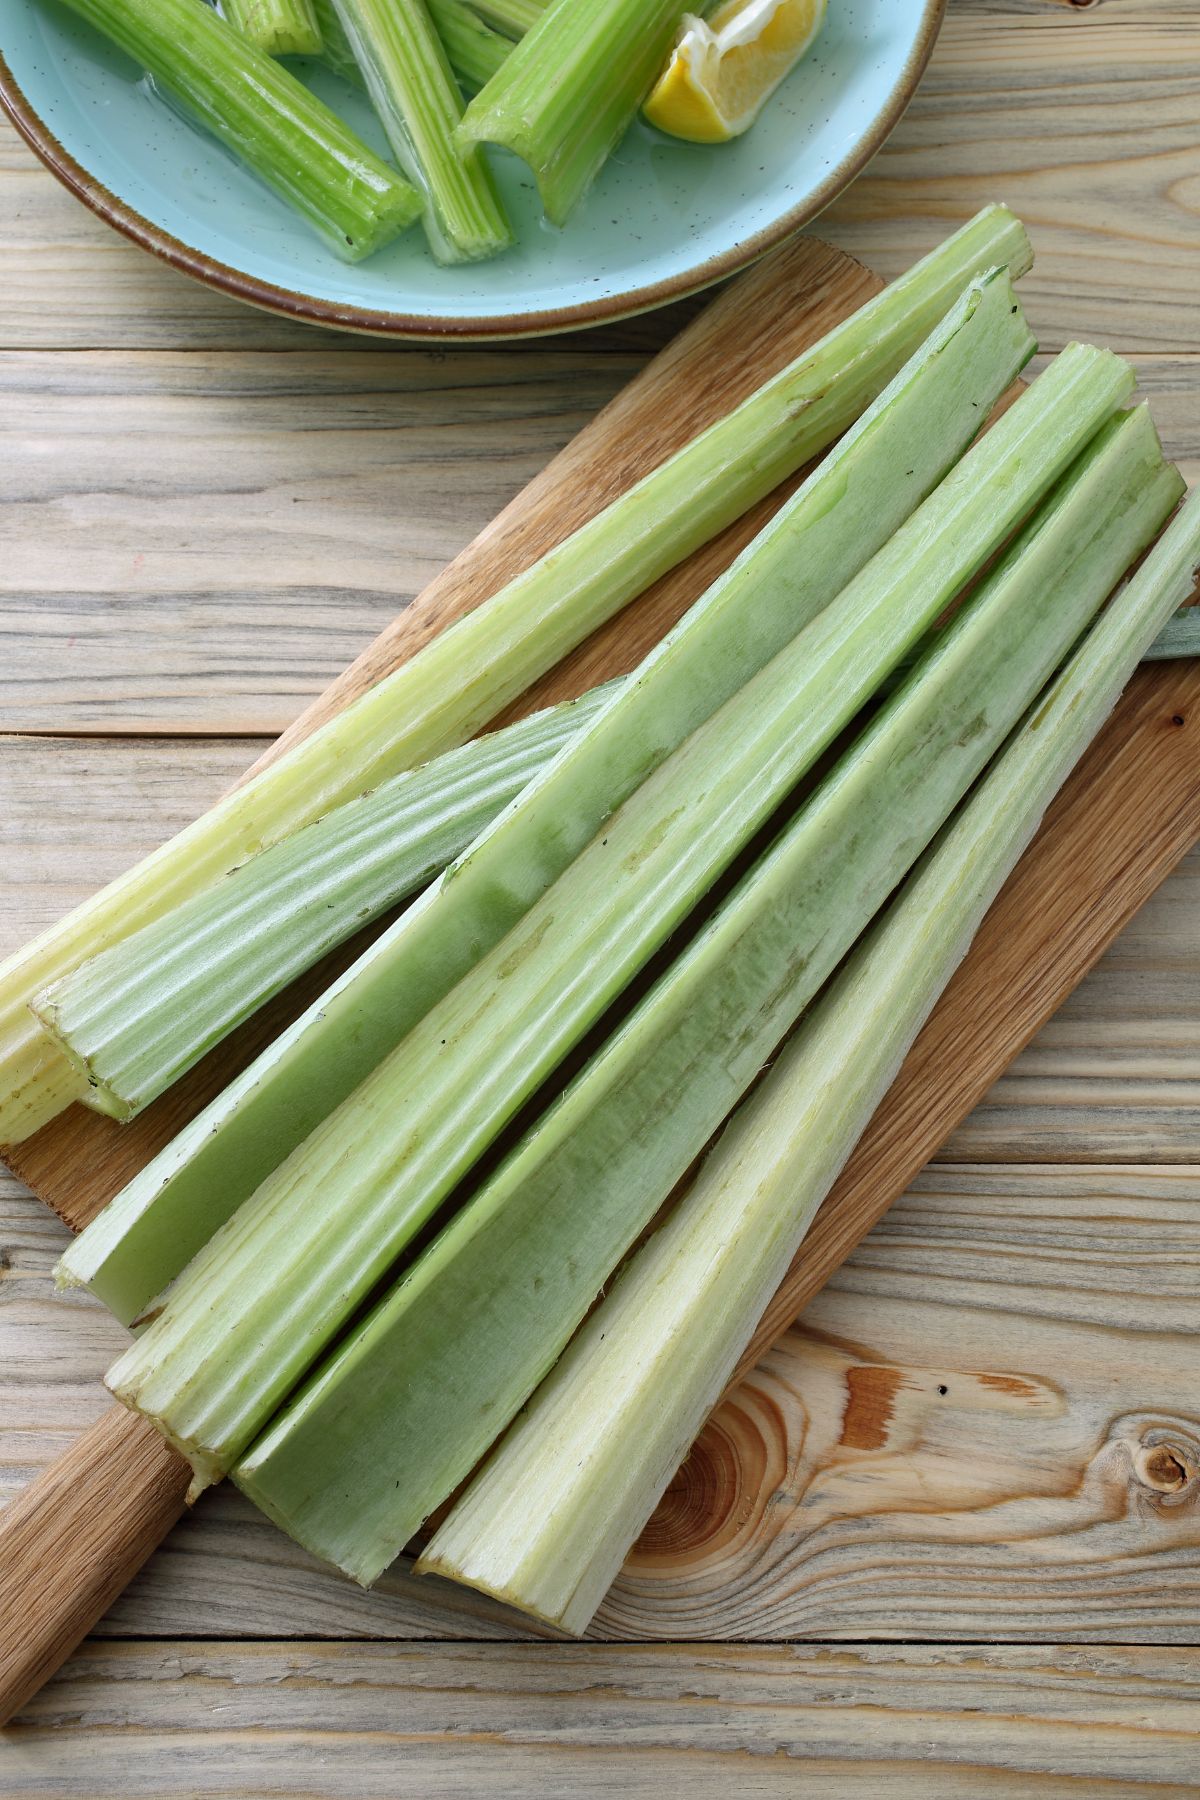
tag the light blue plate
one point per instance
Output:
(664, 218)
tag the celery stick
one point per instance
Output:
(548, 1521)
(512, 17)
(1180, 636)
(254, 1309)
(143, 1012)
(413, 89)
(469, 673)
(261, 112)
(402, 1411)
(475, 51)
(846, 509)
(570, 90)
(335, 45)
(280, 27)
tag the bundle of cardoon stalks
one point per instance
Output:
(466, 676)
(361, 1261)
(845, 511)
(549, 1520)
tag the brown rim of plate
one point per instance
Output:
(435, 327)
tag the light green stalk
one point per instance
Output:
(570, 90)
(252, 1312)
(260, 111)
(402, 1411)
(1180, 636)
(141, 1014)
(280, 27)
(547, 1523)
(151, 1231)
(469, 673)
(844, 511)
(512, 17)
(412, 88)
(335, 45)
(1178, 639)
(474, 49)
(476, 52)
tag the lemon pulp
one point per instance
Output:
(722, 70)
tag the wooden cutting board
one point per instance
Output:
(72, 1541)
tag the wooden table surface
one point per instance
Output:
(995, 1589)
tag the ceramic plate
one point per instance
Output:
(663, 220)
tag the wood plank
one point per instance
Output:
(1053, 1490)
(1116, 1072)
(513, 1722)
(1082, 118)
(75, 812)
(792, 300)
(1020, 102)
(1115, 1075)
(229, 531)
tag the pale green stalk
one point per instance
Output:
(399, 1415)
(844, 511)
(252, 1312)
(512, 17)
(476, 52)
(150, 1232)
(335, 45)
(413, 90)
(1180, 636)
(280, 27)
(264, 115)
(469, 673)
(547, 1523)
(138, 1016)
(570, 90)
(1178, 639)
(474, 49)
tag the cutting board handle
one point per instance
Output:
(74, 1538)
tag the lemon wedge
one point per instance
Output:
(723, 69)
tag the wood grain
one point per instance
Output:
(983, 1447)
(451, 1724)
(1056, 1306)
(1082, 118)
(229, 531)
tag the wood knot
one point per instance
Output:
(1165, 1468)
(698, 1504)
